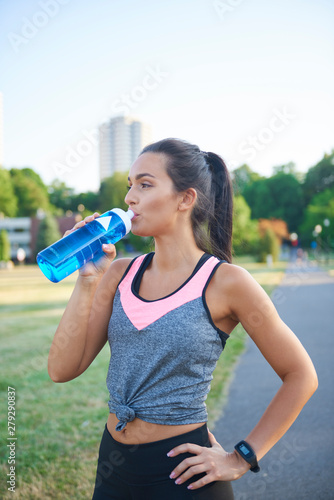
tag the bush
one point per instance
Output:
(48, 233)
(269, 245)
(245, 230)
(4, 246)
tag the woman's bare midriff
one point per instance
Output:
(139, 432)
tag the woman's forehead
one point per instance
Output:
(150, 163)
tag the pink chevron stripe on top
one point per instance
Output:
(142, 313)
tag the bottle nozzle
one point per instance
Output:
(130, 213)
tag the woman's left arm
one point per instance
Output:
(251, 306)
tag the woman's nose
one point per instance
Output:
(129, 197)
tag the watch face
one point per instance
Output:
(244, 450)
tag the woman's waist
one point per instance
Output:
(139, 431)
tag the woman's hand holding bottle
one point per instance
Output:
(98, 268)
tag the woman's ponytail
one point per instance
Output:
(220, 223)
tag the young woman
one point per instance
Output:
(167, 316)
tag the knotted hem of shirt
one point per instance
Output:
(124, 414)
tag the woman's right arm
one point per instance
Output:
(83, 328)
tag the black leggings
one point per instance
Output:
(141, 472)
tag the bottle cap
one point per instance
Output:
(125, 216)
(130, 213)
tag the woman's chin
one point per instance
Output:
(137, 232)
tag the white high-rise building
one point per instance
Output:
(121, 139)
(1, 131)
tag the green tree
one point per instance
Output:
(287, 168)
(60, 195)
(286, 199)
(245, 232)
(48, 233)
(320, 177)
(257, 196)
(242, 177)
(30, 191)
(113, 191)
(279, 196)
(31, 174)
(89, 200)
(8, 200)
(320, 209)
(4, 246)
(64, 199)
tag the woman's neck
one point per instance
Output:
(173, 253)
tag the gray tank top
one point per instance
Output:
(163, 352)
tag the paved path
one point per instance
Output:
(301, 464)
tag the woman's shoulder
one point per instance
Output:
(232, 270)
(120, 265)
(114, 274)
(233, 277)
(238, 289)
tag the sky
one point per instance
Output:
(251, 80)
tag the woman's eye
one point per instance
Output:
(142, 185)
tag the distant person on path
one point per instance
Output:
(167, 316)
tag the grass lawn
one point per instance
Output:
(59, 426)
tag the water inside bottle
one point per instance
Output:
(76, 249)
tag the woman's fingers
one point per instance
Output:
(184, 465)
(109, 250)
(214, 461)
(190, 472)
(82, 223)
(202, 482)
(185, 448)
(189, 466)
(212, 439)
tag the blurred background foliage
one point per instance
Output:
(301, 200)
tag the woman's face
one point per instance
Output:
(152, 196)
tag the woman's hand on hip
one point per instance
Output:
(215, 462)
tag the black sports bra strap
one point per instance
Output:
(127, 270)
(144, 265)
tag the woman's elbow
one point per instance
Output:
(60, 375)
(309, 376)
(315, 382)
(310, 381)
(55, 377)
(305, 381)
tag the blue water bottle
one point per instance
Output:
(83, 245)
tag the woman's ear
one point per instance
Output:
(188, 200)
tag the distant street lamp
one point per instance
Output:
(316, 232)
(40, 214)
(328, 245)
(20, 255)
(294, 245)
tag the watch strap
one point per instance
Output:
(251, 459)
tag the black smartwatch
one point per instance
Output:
(248, 454)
